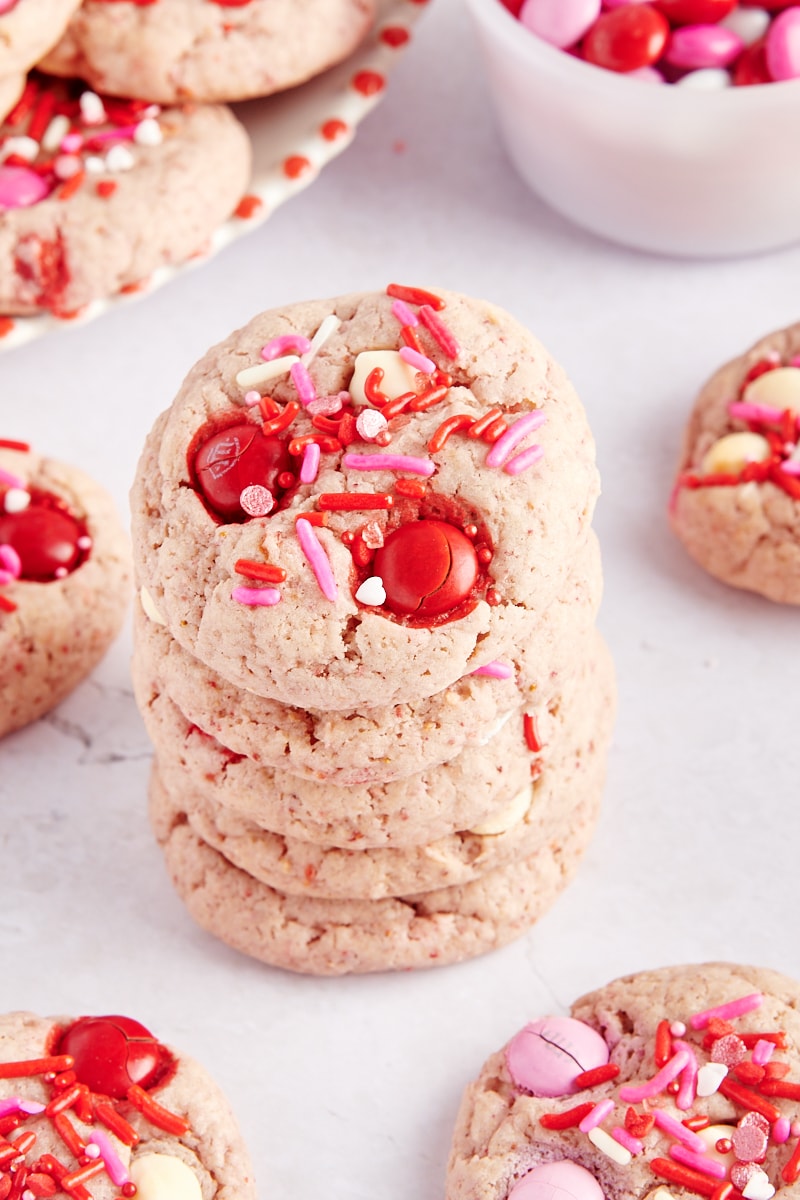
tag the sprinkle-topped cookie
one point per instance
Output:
(736, 502)
(680, 1081)
(98, 1109)
(376, 496)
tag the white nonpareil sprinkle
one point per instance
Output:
(606, 1144)
(66, 165)
(25, 147)
(709, 1077)
(263, 372)
(92, 109)
(119, 158)
(16, 500)
(94, 165)
(148, 133)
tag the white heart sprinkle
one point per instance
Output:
(372, 591)
(758, 1187)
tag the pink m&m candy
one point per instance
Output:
(20, 187)
(697, 46)
(559, 22)
(783, 46)
(562, 1180)
(546, 1057)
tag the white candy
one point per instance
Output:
(605, 1143)
(709, 1077)
(748, 23)
(148, 133)
(92, 109)
(370, 423)
(66, 165)
(779, 389)
(16, 500)
(94, 165)
(371, 592)
(661, 1193)
(55, 133)
(325, 331)
(706, 79)
(251, 377)
(149, 606)
(398, 376)
(732, 452)
(758, 1186)
(164, 1177)
(25, 147)
(119, 158)
(507, 818)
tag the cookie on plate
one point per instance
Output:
(65, 580)
(680, 1081)
(429, 550)
(736, 502)
(170, 51)
(28, 28)
(98, 1106)
(96, 194)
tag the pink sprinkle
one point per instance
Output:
(113, 1162)
(495, 670)
(251, 398)
(703, 1163)
(317, 559)
(725, 1012)
(763, 1052)
(256, 597)
(521, 462)
(390, 462)
(794, 362)
(781, 1130)
(72, 143)
(10, 562)
(114, 135)
(754, 412)
(438, 331)
(688, 1077)
(415, 359)
(256, 500)
(303, 382)
(328, 406)
(11, 480)
(632, 1144)
(675, 1129)
(14, 1105)
(404, 314)
(646, 1091)
(310, 464)
(791, 466)
(287, 343)
(513, 436)
(598, 1114)
(677, 1029)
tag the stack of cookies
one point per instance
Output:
(365, 647)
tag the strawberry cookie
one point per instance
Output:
(64, 581)
(681, 1081)
(95, 193)
(98, 1107)
(364, 500)
(171, 51)
(736, 503)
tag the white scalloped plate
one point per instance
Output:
(294, 135)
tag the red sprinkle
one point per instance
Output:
(7, 605)
(748, 1099)
(566, 1120)
(6, 325)
(701, 1121)
(295, 166)
(109, 1117)
(155, 1113)
(479, 427)
(409, 336)
(395, 35)
(104, 188)
(36, 1066)
(413, 295)
(247, 206)
(264, 571)
(428, 398)
(683, 1176)
(398, 405)
(279, 423)
(749, 1072)
(663, 1048)
(791, 1168)
(781, 1088)
(333, 129)
(68, 1134)
(534, 744)
(778, 1038)
(596, 1075)
(372, 388)
(410, 487)
(313, 518)
(452, 425)
(8, 444)
(369, 83)
(352, 501)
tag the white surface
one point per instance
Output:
(348, 1088)
(678, 170)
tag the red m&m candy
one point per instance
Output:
(627, 39)
(694, 12)
(46, 540)
(236, 458)
(427, 567)
(112, 1053)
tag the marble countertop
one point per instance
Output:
(349, 1087)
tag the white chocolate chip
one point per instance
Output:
(709, 1077)
(371, 592)
(711, 1135)
(398, 376)
(732, 452)
(605, 1143)
(16, 500)
(779, 389)
(164, 1177)
(149, 607)
(92, 109)
(758, 1186)
(660, 1193)
(507, 817)
(25, 147)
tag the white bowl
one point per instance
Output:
(654, 166)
